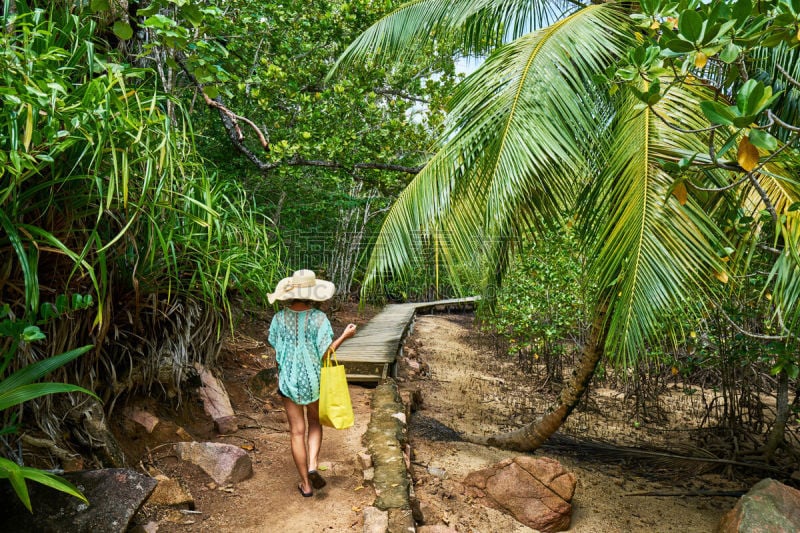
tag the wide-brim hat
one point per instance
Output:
(303, 285)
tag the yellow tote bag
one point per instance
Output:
(335, 409)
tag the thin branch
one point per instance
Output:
(230, 121)
(299, 161)
(717, 189)
(788, 77)
(234, 118)
(775, 120)
(764, 197)
(750, 334)
(677, 128)
(769, 249)
(401, 94)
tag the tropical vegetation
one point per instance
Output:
(661, 132)
(618, 179)
(125, 222)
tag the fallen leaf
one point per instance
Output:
(358, 488)
(722, 276)
(247, 447)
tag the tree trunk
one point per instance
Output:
(776, 436)
(530, 437)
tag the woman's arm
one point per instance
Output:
(348, 332)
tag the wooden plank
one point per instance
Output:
(369, 354)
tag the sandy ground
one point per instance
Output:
(464, 388)
(468, 390)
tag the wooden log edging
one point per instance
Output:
(387, 432)
(387, 443)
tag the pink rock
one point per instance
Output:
(536, 491)
(769, 507)
(225, 463)
(143, 418)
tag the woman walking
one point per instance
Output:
(302, 336)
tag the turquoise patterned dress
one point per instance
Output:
(300, 339)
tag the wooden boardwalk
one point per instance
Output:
(370, 355)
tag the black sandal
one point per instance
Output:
(304, 493)
(317, 481)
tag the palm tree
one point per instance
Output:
(533, 140)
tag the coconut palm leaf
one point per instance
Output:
(649, 253)
(513, 154)
(479, 26)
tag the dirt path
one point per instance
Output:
(464, 387)
(467, 389)
(270, 501)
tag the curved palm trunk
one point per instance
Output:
(530, 437)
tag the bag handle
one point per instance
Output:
(328, 356)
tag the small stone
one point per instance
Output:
(226, 425)
(369, 474)
(183, 434)
(169, 492)
(144, 418)
(375, 520)
(225, 463)
(73, 464)
(436, 528)
(437, 472)
(150, 527)
(365, 460)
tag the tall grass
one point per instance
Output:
(102, 193)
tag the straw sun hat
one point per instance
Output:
(303, 285)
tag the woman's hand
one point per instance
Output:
(349, 331)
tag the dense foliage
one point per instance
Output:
(163, 163)
(663, 131)
(324, 160)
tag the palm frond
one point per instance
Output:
(513, 153)
(651, 254)
(479, 26)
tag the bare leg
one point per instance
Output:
(314, 435)
(297, 429)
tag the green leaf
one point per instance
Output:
(18, 474)
(744, 122)
(99, 5)
(152, 9)
(764, 140)
(53, 481)
(32, 333)
(20, 395)
(690, 24)
(37, 370)
(680, 45)
(13, 472)
(742, 10)
(123, 30)
(717, 113)
(193, 14)
(211, 91)
(730, 53)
